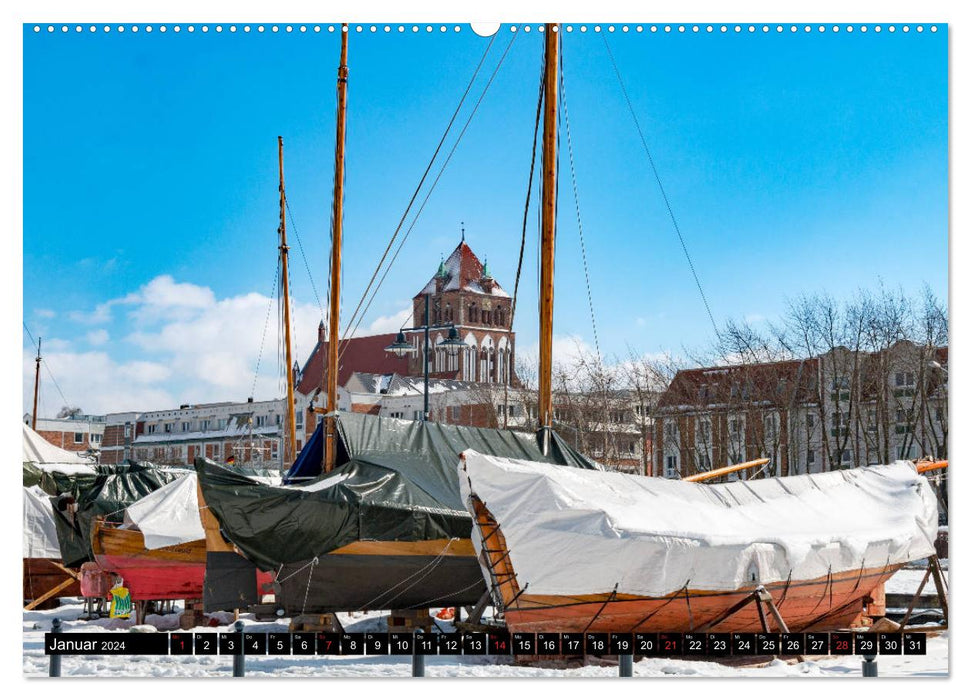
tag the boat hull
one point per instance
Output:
(382, 576)
(40, 576)
(822, 604)
(170, 573)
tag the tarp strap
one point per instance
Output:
(687, 602)
(609, 598)
(306, 593)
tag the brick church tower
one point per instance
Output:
(464, 293)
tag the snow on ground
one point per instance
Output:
(907, 581)
(36, 663)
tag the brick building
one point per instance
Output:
(838, 410)
(80, 433)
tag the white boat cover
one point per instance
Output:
(40, 533)
(574, 531)
(39, 450)
(169, 515)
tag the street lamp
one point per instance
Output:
(401, 347)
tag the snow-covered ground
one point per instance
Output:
(35, 663)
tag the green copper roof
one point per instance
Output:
(442, 272)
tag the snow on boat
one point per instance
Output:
(574, 550)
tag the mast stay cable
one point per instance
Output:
(421, 182)
(349, 332)
(657, 177)
(576, 201)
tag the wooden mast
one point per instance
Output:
(548, 235)
(290, 443)
(330, 376)
(33, 416)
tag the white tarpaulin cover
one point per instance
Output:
(40, 533)
(574, 531)
(38, 450)
(169, 515)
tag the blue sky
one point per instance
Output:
(794, 163)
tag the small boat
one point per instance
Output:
(585, 551)
(385, 530)
(162, 546)
(160, 549)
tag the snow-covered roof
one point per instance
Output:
(463, 271)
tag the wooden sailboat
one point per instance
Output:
(179, 571)
(539, 601)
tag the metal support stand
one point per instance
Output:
(626, 665)
(870, 666)
(475, 615)
(239, 660)
(55, 670)
(417, 660)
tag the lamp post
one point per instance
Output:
(402, 347)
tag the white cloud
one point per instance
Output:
(44, 313)
(97, 337)
(181, 344)
(754, 318)
(388, 324)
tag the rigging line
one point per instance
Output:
(431, 189)
(529, 192)
(576, 200)
(664, 195)
(266, 323)
(421, 182)
(293, 227)
(46, 366)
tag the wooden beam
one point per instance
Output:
(337, 232)
(929, 466)
(704, 476)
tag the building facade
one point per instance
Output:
(839, 410)
(80, 433)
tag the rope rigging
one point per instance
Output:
(431, 189)
(576, 201)
(421, 183)
(46, 366)
(657, 177)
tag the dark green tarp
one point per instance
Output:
(400, 482)
(107, 492)
(31, 474)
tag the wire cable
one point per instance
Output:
(657, 177)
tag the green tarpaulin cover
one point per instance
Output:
(400, 482)
(108, 491)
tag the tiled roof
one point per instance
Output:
(363, 354)
(464, 271)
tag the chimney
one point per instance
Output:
(249, 399)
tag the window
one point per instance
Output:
(275, 449)
(671, 466)
(811, 457)
(845, 457)
(456, 412)
(704, 460)
(810, 421)
(151, 428)
(735, 427)
(127, 430)
(260, 421)
(204, 424)
(416, 415)
(167, 427)
(95, 438)
(396, 414)
(904, 379)
(841, 382)
(670, 431)
(299, 418)
(78, 438)
(704, 430)
(501, 410)
(617, 416)
(186, 426)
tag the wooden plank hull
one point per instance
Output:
(169, 573)
(805, 606)
(40, 576)
(831, 602)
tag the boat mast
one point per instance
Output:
(330, 425)
(290, 442)
(33, 416)
(548, 235)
